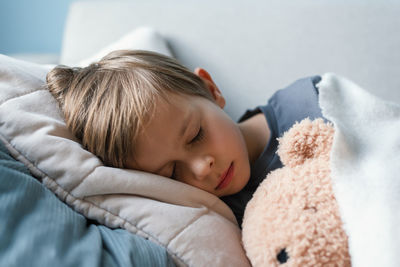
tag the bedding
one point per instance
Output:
(195, 228)
(365, 169)
(37, 229)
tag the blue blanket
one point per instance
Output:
(37, 229)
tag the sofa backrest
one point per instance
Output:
(253, 48)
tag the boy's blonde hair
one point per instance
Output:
(108, 103)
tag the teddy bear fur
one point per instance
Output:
(293, 218)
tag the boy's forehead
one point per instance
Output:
(181, 101)
(172, 105)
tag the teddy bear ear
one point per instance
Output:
(305, 140)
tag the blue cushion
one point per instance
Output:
(37, 229)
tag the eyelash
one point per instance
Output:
(199, 137)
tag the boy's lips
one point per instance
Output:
(226, 177)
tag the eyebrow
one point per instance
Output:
(182, 131)
(185, 123)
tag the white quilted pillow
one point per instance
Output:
(195, 227)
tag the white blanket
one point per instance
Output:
(365, 163)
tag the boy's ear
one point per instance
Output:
(211, 86)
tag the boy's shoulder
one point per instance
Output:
(295, 102)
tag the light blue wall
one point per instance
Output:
(32, 26)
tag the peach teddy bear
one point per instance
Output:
(293, 218)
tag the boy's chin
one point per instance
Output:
(239, 187)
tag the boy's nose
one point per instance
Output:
(202, 167)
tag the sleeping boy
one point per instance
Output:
(142, 110)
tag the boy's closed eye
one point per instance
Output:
(196, 139)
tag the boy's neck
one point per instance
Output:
(256, 133)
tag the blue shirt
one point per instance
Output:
(286, 107)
